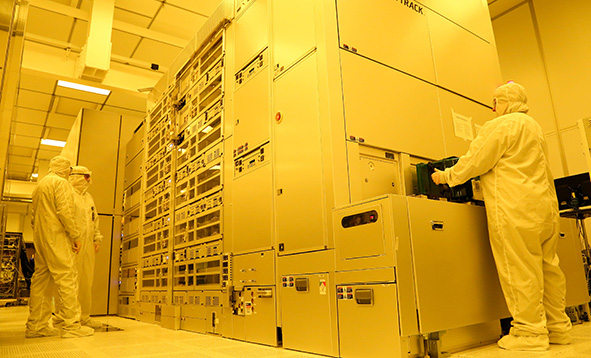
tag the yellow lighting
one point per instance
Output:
(80, 87)
(216, 167)
(54, 143)
(35, 175)
(207, 129)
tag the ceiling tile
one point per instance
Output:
(131, 17)
(13, 167)
(34, 100)
(80, 95)
(48, 24)
(63, 2)
(60, 121)
(36, 83)
(30, 161)
(58, 133)
(204, 7)
(178, 22)
(125, 111)
(86, 5)
(18, 176)
(71, 107)
(32, 116)
(21, 151)
(25, 129)
(25, 141)
(45, 153)
(123, 43)
(80, 33)
(128, 100)
(156, 52)
(144, 7)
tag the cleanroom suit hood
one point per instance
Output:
(54, 233)
(60, 166)
(511, 157)
(88, 220)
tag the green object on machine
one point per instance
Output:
(427, 187)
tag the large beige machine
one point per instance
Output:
(281, 118)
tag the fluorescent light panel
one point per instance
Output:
(85, 88)
(55, 143)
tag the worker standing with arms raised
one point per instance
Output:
(510, 155)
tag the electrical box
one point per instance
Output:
(254, 310)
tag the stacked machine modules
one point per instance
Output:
(277, 201)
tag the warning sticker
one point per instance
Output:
(322, 287)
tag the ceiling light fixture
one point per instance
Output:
(80, 87)
(54, 143)
(35, 175)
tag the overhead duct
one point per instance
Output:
(94, 61)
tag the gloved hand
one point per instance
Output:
(437, 176)
(77, 246)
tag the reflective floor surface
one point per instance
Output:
(138, 339)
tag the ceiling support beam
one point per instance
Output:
(117, 25)
(58, 58)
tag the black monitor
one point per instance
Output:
(573, 192)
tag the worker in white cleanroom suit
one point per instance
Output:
(511, 157)
(87, 218)
(57, 240)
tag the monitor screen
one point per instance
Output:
(573, 192)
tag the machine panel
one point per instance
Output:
(388, 109)
(368, 321)
(299, 223)
(306, 314)
(472, 15)
(376, 34)
(252, 225)
(290, 45)
(257, 268)
(464, 63)
(251, 110)
(571, 263)
(360, 234)
(134, 170)
(251, 32)
(135, 145)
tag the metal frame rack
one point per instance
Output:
(182, 215)
(10, 260)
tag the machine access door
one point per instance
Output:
(368, 320)
(455, 275)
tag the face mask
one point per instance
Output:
(79, 182)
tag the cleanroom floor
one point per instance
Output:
(138, 339)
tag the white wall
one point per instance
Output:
(545, 45)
